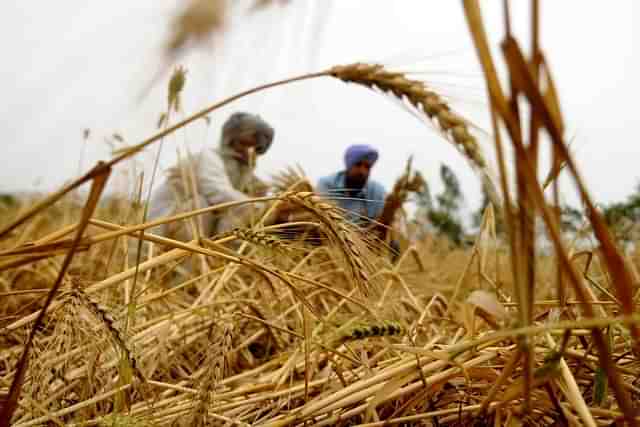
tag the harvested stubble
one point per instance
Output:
(250, 338)
(239, 356)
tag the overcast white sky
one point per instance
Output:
(75, 64)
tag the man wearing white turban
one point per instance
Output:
(222, 174)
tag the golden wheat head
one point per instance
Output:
(420, 96)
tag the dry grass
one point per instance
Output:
(226, 342)
(248, 328)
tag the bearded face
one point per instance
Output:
(244, 148)
(357, 176)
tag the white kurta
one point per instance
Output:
(208, 178)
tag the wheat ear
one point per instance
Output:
(217, 362)
(425, 100)
(260, 238)
(339, 231)
(102, 313)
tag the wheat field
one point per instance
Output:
(104, 323)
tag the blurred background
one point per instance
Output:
(75, 65)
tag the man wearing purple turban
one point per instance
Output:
(351, 189)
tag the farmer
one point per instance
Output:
(362, 198)
(351, 189)
(219, 174)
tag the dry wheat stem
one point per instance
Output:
(183, 250)
(334, 404)
(422, 416)
(97, 186)
(76, 407)
(520, 74)
(573, 394)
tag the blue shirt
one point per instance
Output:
(368, 202)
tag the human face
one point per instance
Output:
(358, 174)
(244, 147)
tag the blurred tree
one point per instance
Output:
(8, 200)
(476, 217)
(630, 209)
(443, 217)
(570, 218)
(424, 201)
(622, 217)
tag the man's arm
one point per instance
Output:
(216, 187)
(213, 181)
(323, 187)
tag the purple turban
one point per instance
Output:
(359, 152)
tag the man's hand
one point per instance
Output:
(284, 210)
(293, 212)
(380, 230)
